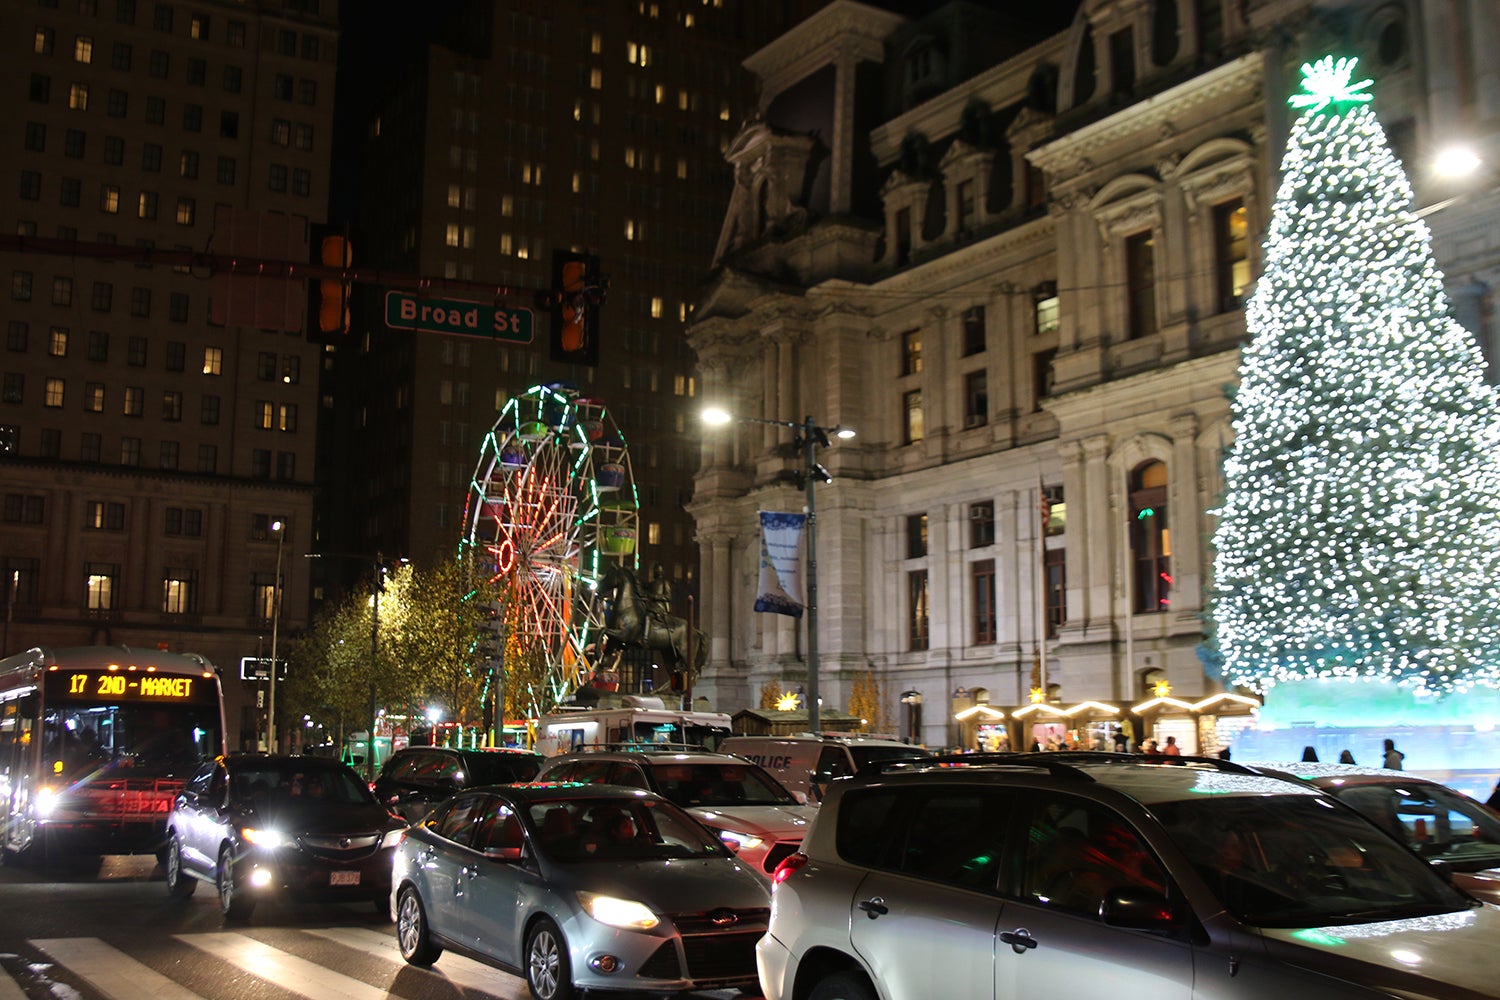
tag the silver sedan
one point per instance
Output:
(579, 887)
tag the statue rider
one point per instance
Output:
(659, 593)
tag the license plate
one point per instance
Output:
(343, 878)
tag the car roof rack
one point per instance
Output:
(1158, 760)
(961, 760)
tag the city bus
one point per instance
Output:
(96, 742)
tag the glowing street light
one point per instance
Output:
(280, 528)
(810, 437)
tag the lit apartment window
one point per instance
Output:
(100, 585)
(187, 211)
(596, 43)
(213, 361)
(53, 393)
(83, 49)
(917, 619)
(180, 592)
(1045, 309)
(109, 199)
(57, 342)
(78, 97)
(982, 585)
(596, 79)
(911, 417)
(911, 352)
(450, 237)
(656, 307)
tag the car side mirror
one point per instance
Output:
(506, 854)
(800, 796)
(1138, 909)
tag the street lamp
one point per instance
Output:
(810, 437)
(280, 528)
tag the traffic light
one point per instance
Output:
(577, 292)
(328, 297)
(488, 644)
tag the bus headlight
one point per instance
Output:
(262, 837)
(45, 802)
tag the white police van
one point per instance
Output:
(806, 763)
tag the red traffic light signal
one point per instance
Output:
(577, 292)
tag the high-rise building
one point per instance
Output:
(148, 452)
(490, 135)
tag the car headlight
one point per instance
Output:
(740, 841)
(45, 801)
(263, 838)
(392, 838)
(616, 912)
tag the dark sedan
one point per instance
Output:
(416, 779)
(300, 828)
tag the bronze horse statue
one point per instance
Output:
(635, 617)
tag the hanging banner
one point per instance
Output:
(781, 554)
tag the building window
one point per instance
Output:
(291, 369)
(36, 137)
(23, 509)
(916, 536)
(265, 366)
(135, 401)
(109, 199)
(52, 392)
(1150, 541)
(71, 192)
(41, 42)
(160, 64)
(982, 585)
(1045, 309)
(62, 291)
(234, 79)
(187, 165)
(1140, 284)
(98, 344)
(73, 143)
(1054, 511)
(973, 330)
(130, 451)
(213, 360)
(103, 515)
(93, 397)
(114, 150)
(911, 429)
(156, 110)
(171, 405)
(208, 411)
(192, 117)
(277, 180)
(976, 399)
(286, 417)
(1054, 569)
(140, 302)
(225, 170)
(31, 185)
(186, 521)
(917, 619)
(99, 583)
(208, 459)
(265, 414)
(981, 524)
(198, 27)
(151, 158)
(78, 96)
(179, 594)
(187, 211)
(146, 205)
(89, 447)
(13, 388)
(169, 455)
(911, 352)
(286, 466)
(1042, 377)
(1231, 253)
(135, 351)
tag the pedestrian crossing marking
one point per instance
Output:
(456, 969)
(9, 988)
(284, 969)
(110, 971)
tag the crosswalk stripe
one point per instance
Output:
(10, 989)
(456, 969)
(284, 969)
(110, 971)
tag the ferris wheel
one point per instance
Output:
(552, 507)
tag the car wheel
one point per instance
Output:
(547, 970)
(842, 986)
(234, 902)
(412, 934)
(179, 883)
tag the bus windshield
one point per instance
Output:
(133, 740)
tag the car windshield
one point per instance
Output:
(499, 768)
(1302, 861)
(719, 785)
(263, 786)
(1433, 820)
(613, 829)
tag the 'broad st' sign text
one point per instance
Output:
(404, 311)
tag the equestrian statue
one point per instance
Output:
(642, 618)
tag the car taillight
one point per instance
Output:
(784, 870)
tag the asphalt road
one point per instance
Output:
(113, 933)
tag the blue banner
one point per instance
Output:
(781, 554)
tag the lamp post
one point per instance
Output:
(280, 528)
(810, 437)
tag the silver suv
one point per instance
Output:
(972, 876)
(746, 807)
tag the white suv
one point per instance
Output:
(978, 877)
(745, 806)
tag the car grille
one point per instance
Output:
(663, 964)
(703, 923)
(720, 956)
(341, 847)
(780, 853)
(715, 952)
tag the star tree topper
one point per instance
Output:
(1328, 82)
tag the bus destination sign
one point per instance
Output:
(109, 685)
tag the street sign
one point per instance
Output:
(259, 669)
(404, 311)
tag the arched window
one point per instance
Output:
(1150, 541)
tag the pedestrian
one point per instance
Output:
(1309, 755)
(1171, 749)
(1393, 757)
(1122, 742)
(1148, 746)
(1346, 758)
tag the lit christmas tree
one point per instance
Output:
(1360, 526)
